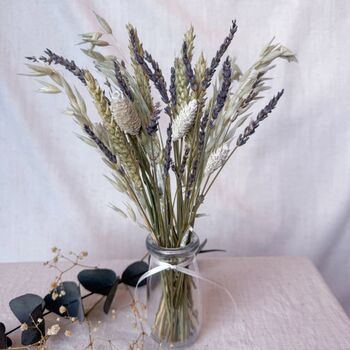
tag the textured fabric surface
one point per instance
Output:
(281, 303)
(285, 193)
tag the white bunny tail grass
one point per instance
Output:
(216, 160)
(184, 121)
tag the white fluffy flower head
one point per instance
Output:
(184, 121)
(216, 159)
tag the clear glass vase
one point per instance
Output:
(173, 298)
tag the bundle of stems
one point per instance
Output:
(166, 174)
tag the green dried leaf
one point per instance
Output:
(94, 42)
(94, 54)
(116, 183)
(70, 94)
(48, 88)
(131, 212)
(33, 74)
(43, 69)
(201, 215)
(81, 101)
(119, 211)
(91, 36)
(87, 140)
(142, 226)
(99, 42)
(103, 23)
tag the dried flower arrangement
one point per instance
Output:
(166, 177)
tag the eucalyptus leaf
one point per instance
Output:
(133, 272)
(110, 297)
(99, 281)
(36, 327)
(28, 308)
(24, 305)
(71, 300)
(5, 342)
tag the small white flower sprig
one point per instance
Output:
(165, 175)
(34, 332)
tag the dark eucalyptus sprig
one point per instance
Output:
(189, 71)
(216, 60)
(56, 59)
(109, 155)
(66, 301)
(222, 95)
(121, 81)
(263, 114)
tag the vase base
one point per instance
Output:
(177, 345)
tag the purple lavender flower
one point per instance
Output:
(172, 87)
(109, 155)
(56, 59)
(152, 126)
(168, 147)
(216, 60)
(121, 81)
(221, 98)
(263, 114)
(189, 71)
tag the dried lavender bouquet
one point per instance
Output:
(165, 174)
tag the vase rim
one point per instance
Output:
(181, 252)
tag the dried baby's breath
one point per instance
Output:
(24, 327)
(54, 329)
(62, 309)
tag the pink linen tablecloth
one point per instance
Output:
(282, 303)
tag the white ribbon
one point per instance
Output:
(162, 266)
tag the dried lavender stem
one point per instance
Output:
(109, 155)
(263, 114)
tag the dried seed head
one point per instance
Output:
(24, 327)
(216, 160)
(53, 330)
(184, 121)
(62, 309)
(124, 113)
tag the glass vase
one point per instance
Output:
(173, 297)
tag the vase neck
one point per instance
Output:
(181, 253)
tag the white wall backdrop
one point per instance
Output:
(287, 192)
